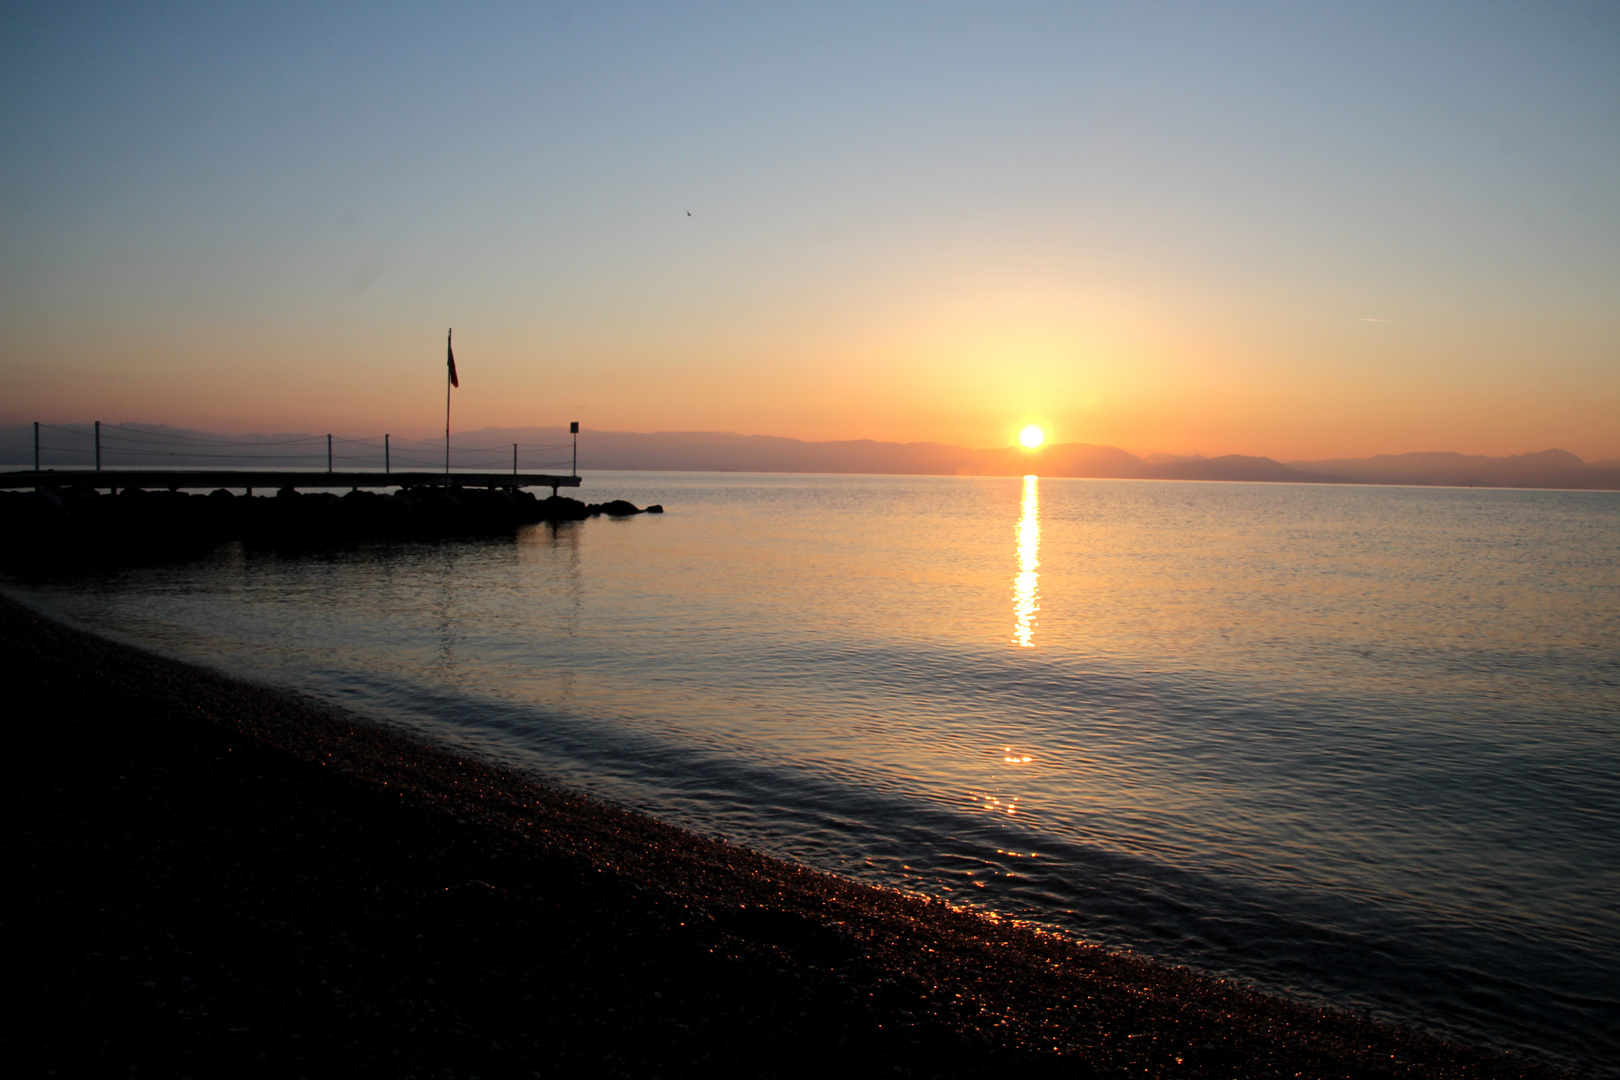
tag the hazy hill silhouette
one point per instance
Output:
(1547, 469)
(1236, 467)
(718, 451)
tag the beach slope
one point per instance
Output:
(211, 878)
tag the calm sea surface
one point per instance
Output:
(1358, 745)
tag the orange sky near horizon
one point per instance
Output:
(1294, 234)
(960, 377)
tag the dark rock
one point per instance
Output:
(72, 526)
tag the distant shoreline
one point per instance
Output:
(1217, 470)
(722, 451)
(220, 876)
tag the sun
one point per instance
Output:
(1032, 436)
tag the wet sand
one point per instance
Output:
(208, 878)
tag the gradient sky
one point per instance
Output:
(1298, 230)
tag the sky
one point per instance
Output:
(1294, 230)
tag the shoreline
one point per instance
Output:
(215, 876)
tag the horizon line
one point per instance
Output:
(88, 425)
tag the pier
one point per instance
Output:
(120, 495)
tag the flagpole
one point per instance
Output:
(449, 347)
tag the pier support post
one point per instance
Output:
(98, 446)
(385, 453)
(329, 452)
(36, 446)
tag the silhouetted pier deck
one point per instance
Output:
(272, 479)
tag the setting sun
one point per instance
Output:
(1032, 436)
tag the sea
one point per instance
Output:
(1355, 745)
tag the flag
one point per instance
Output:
(452, 361)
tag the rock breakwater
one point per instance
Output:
(78, 526)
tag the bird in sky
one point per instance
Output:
(689, 213)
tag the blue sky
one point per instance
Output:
(1282, 229)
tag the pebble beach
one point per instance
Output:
(210, 877)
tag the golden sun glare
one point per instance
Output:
(1032, 436)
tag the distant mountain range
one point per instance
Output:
(1548, 469)
(711, 451)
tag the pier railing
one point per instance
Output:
(101, 445)
(117, 456)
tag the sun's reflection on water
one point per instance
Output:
(1026, 585)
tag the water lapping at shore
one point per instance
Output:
(1396, 954)
(1369, 794)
